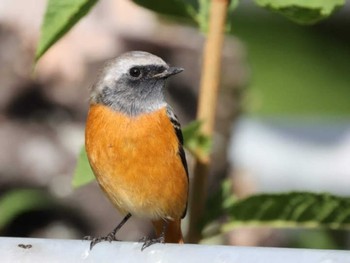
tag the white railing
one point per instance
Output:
(29, 250)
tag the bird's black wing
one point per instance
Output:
(177, 128)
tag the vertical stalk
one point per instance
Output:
(209, 86)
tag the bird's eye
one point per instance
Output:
(135, 72)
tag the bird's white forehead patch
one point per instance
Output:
(137, 58)
(123, 63)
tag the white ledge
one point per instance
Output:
(54, 250)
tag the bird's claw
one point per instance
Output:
(95, 240)
(150, 241)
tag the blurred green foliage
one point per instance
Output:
(317, 239)
(83, 173)
(296, 70)
(18, 201)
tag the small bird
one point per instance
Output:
(134, 145)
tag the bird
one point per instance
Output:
(134, 145)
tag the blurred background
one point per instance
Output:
(282, 119)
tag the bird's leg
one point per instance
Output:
(161, 239)
(111, 236)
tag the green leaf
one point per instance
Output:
(17, 202)
(60, 17)
(83, 173)
(296, 209)
(302, 11)
(196, 11)
(191, 130)
(183, 9)
(194, 140)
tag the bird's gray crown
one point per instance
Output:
(133, 83)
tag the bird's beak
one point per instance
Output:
(168, 72)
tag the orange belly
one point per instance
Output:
(136, 162)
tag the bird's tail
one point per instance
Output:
(173, 232)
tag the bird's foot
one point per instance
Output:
(150, 241)
(95, 240)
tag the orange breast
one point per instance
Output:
(136, 162)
